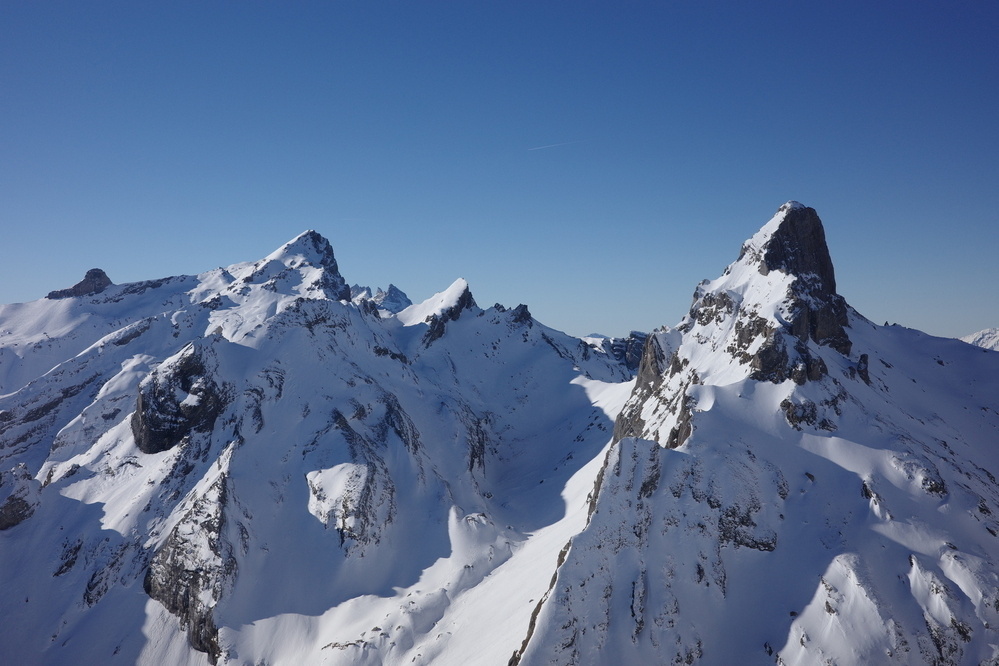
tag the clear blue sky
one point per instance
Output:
(154, 139)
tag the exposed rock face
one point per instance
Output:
(438, 321)
(792, 244)
(521, 315)
(652, 368)
(797, 247)
(311, 249)
(777, 447)
(627, 351)
(177, 399)
(94, 282)
(332, 283)
(256, 456)
(769, 312)
(334, 286)
(14, 511)
(18, 496)
(194, 568)
(358, 498)
(392, 299)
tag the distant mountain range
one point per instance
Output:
(261, 464)
(988, 338)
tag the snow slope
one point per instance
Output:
(789, 483)
(262, 465)
(246, 466)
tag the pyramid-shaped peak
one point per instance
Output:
(307, 252)
(793, 242)
(446, 305)
(776, 299)
(309, 247)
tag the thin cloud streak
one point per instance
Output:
(555, 145)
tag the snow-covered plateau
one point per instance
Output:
(261, 464)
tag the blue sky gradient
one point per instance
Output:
(593, 160)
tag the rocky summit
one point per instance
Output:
(94, 282)
(789, 483)
(260, 464)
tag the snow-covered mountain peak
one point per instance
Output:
(391, 299)
(772, 316)
(234, 467)
(793, 242)
(778, 298)
(987, 339)
(447, 304)
(309, 247)
(304, 266)
(209, 468)
(780, 492)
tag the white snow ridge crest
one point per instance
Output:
(261, 464)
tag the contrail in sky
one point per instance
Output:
(555, 145)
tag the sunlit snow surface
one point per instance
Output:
(400, 485)
(863, 530)
(988, 339)
(367, 495)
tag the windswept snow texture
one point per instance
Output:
(790, 484)
(248, 466)
(987, 339)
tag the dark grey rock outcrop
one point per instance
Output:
(188, 583)
(798, 247)
(18, 496)
(521, 315)
(652, 367)
(94, 282)
(161, 420)
(629, 350)
(817, 314)
(438, 321)
(727, 315)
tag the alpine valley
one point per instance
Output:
(261, 464)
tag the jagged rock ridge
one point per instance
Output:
(392, 299)
(628, 350)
